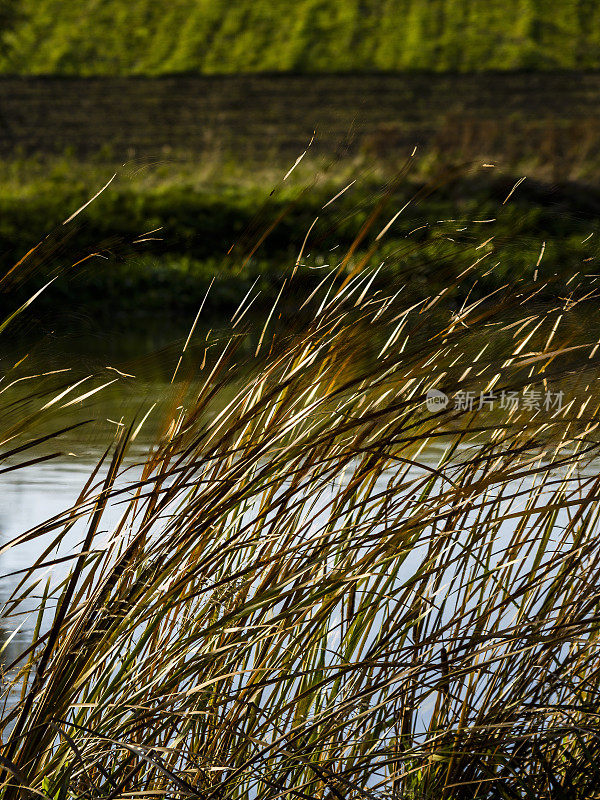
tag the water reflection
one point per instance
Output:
(10, 648)
(30, 496)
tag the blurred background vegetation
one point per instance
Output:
(202, 106)
(114, 37)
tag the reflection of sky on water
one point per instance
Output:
(28, 497)
(32, 495)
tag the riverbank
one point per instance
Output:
(153, 242)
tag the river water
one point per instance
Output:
(135, 373)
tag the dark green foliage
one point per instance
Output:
(11, 17)
(170, 271)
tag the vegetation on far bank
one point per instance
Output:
(152, 245)
(149, 37)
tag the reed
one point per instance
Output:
(316, 587)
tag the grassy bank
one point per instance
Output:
(152, 243)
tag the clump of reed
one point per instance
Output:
(314, 586)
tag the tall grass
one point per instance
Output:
(315, 587)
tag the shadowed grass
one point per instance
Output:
(315, 587)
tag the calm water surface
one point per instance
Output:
(31, 495)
